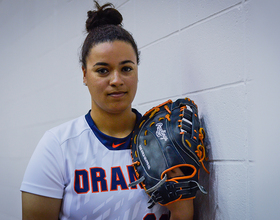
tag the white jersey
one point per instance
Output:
(90, 171)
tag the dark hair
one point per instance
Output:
(105, 25)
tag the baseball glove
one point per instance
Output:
(169, 136)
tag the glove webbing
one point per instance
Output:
(175, 191)
(186, 129)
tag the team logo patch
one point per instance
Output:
(160, 133)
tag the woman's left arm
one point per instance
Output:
(182, 209)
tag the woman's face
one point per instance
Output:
(111, 75)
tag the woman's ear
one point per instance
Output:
(84, 75)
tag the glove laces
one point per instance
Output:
(201, 149)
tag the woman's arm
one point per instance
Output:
(36, 207)
(182, 209)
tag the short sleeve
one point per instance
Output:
(44, 173)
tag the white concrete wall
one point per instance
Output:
(223, 54)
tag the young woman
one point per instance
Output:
(81, 169)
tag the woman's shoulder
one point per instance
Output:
(69, 129)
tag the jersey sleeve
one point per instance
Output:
(45, 172)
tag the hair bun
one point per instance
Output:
(104, 15)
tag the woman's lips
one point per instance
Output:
(117, 94)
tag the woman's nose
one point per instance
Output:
(116, 79)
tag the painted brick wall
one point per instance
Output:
(222, 54)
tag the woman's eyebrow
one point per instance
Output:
(126, 61)
(101, 64)
(106, 64)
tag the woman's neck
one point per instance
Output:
(115, 125)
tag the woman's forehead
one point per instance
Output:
(112, 50)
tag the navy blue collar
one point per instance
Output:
(111, 143)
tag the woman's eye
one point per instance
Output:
(102, 71)
(126, 69)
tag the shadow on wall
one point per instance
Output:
(206, 206)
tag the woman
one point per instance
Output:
(81, 169)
